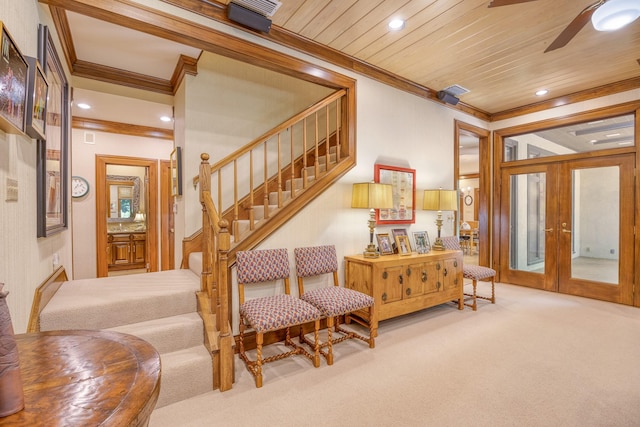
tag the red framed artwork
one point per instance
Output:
(403, 182)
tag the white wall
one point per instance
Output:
(84, 208)
(25, 260)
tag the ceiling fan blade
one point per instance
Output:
(497, 3)
(574, 27)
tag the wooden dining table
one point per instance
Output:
(86, 378)
(469, 245)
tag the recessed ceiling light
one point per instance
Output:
(611, 135)
(396, 24)
(165, 118)
(84, 106)
(542, 92)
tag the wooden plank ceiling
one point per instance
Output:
(496, 53)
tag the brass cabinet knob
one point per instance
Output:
(408, 291)
(384, 296)
(384, 275)
(424, 276)
(408, 271)
(400, 279)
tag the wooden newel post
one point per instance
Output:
(222, 310)
(207, 250)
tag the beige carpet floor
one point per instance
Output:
(533, 359)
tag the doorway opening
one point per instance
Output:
(126, 215)
(472, 175)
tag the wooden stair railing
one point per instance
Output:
(276, 167)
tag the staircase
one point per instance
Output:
(158, 307)
(268, 180)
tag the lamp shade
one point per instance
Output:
(139, 217)
(440, 200)
(615, 14)
(372, 195)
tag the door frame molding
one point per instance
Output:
(167, 218)
(101, 208)
(484, 178)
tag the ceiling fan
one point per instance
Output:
(606, 15)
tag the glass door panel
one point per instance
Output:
(568, 227)
(528, 204)
(596, 228)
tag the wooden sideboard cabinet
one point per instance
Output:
(402, 284)
(127, 251)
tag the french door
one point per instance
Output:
(568, 227)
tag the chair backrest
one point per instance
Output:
(452, 243)
(314, 261)
(262, 265)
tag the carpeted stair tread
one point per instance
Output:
(185, 373)
(114, 301)
(168, 334)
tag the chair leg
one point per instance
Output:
(316, 346)
(475, 296)
(330, 325)
(493, 291)
(372, 340)
(258, 367)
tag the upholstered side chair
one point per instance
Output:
(333, 301)
(271, 313)
(474, 273)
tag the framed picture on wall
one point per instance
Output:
(52, 154)
(13, 80)
(36, 108)
(176, 172)
(403, 183)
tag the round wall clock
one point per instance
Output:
(468, 200)
(79, 186)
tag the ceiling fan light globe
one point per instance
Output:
(615, 14)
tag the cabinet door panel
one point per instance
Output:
(392, 279)
(120, 253)
(450, 273)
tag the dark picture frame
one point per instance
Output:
(14, 71)
(36, 108)
(176, 171)
(403, 183)
(52, 152)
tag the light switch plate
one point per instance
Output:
(12, 190)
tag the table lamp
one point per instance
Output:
(372, 196)
(440, 200)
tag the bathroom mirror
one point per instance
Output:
(123, 197)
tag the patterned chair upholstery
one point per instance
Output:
(274, 312)
(473, 272)
(332, 301)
